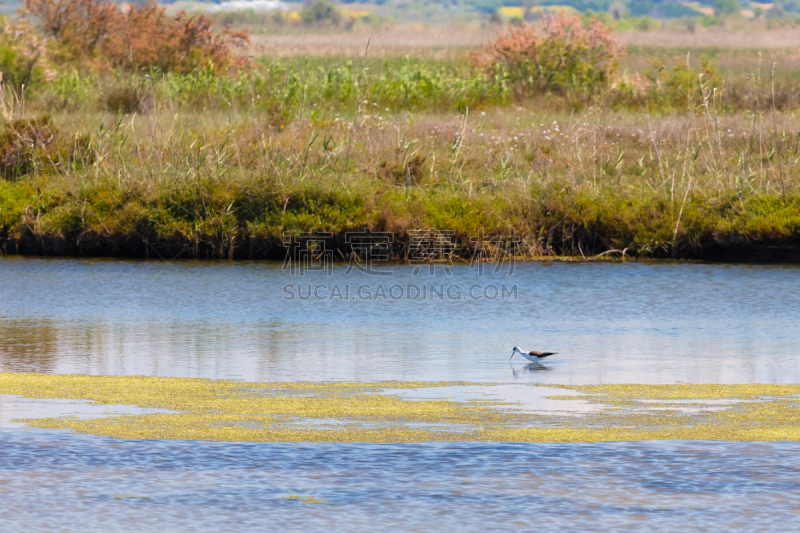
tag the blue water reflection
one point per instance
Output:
(633, 322)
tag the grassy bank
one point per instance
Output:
(227, 185)
(692, 160)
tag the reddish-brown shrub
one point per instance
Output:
(99, 34)
(566, 56)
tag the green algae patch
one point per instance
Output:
(688, 392)
(226, 410)
(305, 499)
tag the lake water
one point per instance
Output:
(78, 483)
(610, 323)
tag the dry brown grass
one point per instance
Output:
(418, 40)
(716, 37)
(449, 40)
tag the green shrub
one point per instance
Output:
(22, 54)
(321, 12)
(64, 219)
(727, 7)
(124, 100)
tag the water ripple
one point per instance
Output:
(646, 486)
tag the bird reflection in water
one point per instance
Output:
(531, 367)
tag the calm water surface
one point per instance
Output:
(645, 323)
(658, 323)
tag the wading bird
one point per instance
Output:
(531, 356)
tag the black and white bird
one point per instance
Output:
(531, 355)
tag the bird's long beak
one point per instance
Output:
(512, 355)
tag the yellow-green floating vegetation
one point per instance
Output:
(224, 410)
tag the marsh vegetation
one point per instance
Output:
(191, 143)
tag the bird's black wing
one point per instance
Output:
(541, 354)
